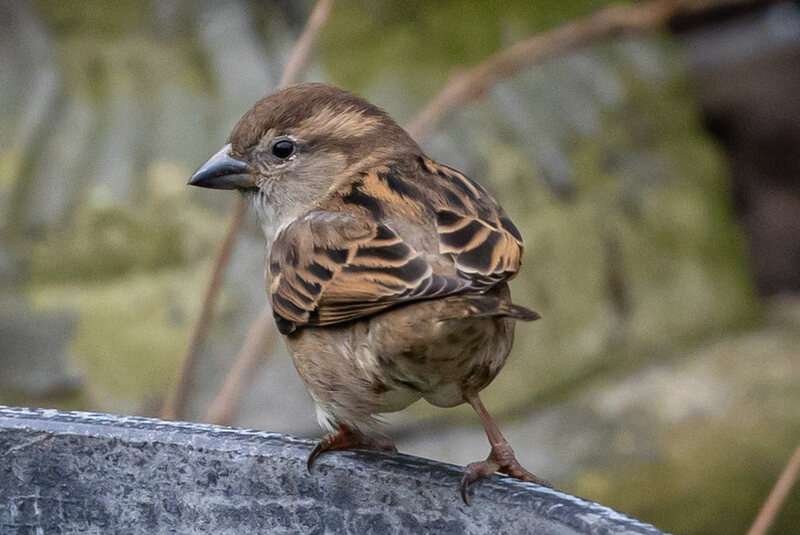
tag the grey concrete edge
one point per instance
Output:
(577, 513)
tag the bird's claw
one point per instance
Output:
(316, 452)
(345, 439)
(474, 472)
(501, 460)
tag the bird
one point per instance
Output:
(387, 272)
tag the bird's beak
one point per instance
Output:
(223, 171)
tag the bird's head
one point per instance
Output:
(292, 147)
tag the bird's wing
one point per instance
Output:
(333, 266)
(473, 229)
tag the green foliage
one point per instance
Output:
(131, 333)
(111, 241)
(98, 17)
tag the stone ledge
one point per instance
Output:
(66, 472)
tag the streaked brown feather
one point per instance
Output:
(343, 273)
(482, 240)
(343, 260)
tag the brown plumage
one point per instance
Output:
(387, 272)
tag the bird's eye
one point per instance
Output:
(283, 148)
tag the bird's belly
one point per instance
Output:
(440, 360)
(388, 362)
(445, 395)
(442, 372)
(397, 399)
(344, 376)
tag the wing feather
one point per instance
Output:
(346, 262)
(342, 274)
(483, 242)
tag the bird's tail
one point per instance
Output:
(487, 306)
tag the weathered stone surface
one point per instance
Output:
(67, 472)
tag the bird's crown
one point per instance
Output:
(320, 115)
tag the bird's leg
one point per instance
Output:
(345, 438)
(501, 458)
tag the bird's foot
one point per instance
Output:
(346, 439)
(501, 459)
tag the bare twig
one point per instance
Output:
(472, 84)
(298, 57)
(260, 337)
(772, 506)
(175, 406)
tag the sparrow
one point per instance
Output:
(387, 272)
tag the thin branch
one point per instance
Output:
(260, 337)
(466, 86)
(175, 406)
(772, 506)
(298, 57)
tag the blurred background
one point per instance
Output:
(656, 180)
